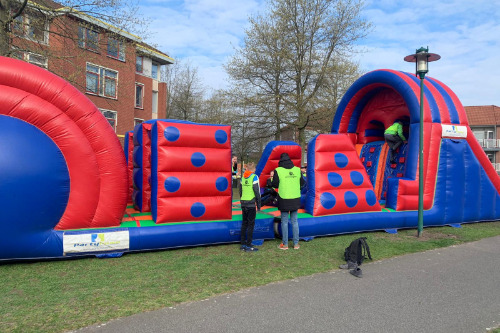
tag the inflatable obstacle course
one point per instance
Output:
(65, 177)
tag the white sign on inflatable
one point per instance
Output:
(454, 131)
(96, 242)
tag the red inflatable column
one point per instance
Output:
(193, 172)
(129, 140)
(146, 167)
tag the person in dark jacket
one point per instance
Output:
(249, 198)
(288, 180)
(269, 196)
(234, 163)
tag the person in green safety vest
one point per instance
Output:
(249, 198)
(288, 180)
(394, 137)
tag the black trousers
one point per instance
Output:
(247, 225)
(393, 141)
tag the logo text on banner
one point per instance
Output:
(454, 131)
(96, 242)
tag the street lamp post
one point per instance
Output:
(421, 58)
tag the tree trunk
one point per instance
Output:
(5, 28)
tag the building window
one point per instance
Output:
(138, 121)
(154, 71)
(154, 105)
(88, 39)
(33, 26)
(486, 137)
(139, 64)
(139, 95)
(102, 81)
(116, 49)
(110, 116)
(32, 58)
(37, 59)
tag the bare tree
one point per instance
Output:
(217, 109)
(186, 92)
(258, 72)
(291, 56)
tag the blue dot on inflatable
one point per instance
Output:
(334, 179)
(171, 133)
(221, 184)
(221, 136)
(351, 199)
(172, 184)
(370, 197)
(327, 200)
(197, 209)
(357, 178)
(198, 159)
(341, 160)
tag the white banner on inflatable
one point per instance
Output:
(96, 242)
(454, 131)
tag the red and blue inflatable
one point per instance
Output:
(65, 180)
(191, 172)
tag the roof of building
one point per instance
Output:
(483, 115)
(155, 54)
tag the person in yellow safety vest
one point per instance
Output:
(249, 198)
(288, 180)
(394, 137)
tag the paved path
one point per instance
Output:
(455, 289)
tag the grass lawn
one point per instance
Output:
(55, 296)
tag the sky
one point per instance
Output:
(465, 33)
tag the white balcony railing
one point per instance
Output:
(489, 143)
(496, 166)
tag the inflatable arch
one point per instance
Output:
(381, 97)
(460, 183)
(62, 166)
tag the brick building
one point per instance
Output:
(484, 122)
(116, 70)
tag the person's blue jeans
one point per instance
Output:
(284, 227)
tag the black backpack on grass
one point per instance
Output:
(357, 251)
